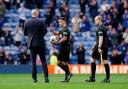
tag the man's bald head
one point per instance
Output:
(35, 13)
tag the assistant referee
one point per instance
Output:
(100, 48)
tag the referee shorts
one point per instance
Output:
(64, 53)
(96, 54)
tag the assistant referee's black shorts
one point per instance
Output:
(63, 54)
(96, 54)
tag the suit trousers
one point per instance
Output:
(34, 51)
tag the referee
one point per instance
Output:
(100, 48)
(36, 30)
(64, 50)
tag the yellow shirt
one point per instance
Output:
(53, 60)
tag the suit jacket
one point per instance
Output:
(35, 30)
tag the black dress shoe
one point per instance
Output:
(106, 81)
(90, 79)
(46, 80)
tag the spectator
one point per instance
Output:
(55, 23)
(9, 59)
(2, 13)
(122, 49)
(2, 41)
(125, 4)
(114, 16)
(126, 57)
(85, 27)
(76, 23)
(114, 3)
(120, 9)
(48, 16)
(105, 6)
(125, 36)
(39, 4)
(23, 57)
(64, 11)
(106, 18)
(54, 2)
(16, 3)
(8, 4)
(22, 11)
(109, 35)
(93, 8)
(66, 1)
(14, 53)
(1, 32)
(1, 23)
(81, 54)
(120, 31)
(114, 37)
(7, 50)
(2, 56)
(2, 9)
(116, 57)
(81, 15)
(52, 7)
(18, 34)
(82, 5)
(125, 18)
(30, 4)
(53, 59)
(53, 56)
(7, 36)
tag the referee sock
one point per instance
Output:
(93, 69)
(107, 70)
(61, 65)
(65, 68)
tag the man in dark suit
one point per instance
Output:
(35, 30)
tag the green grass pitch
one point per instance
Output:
(24, 81)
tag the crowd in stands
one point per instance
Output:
(13, 47)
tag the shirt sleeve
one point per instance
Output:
(100, 32)
(65, 33)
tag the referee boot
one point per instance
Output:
(67, 78)
(90, 79)
(46, 80)
(35, 80)
(106, 81)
